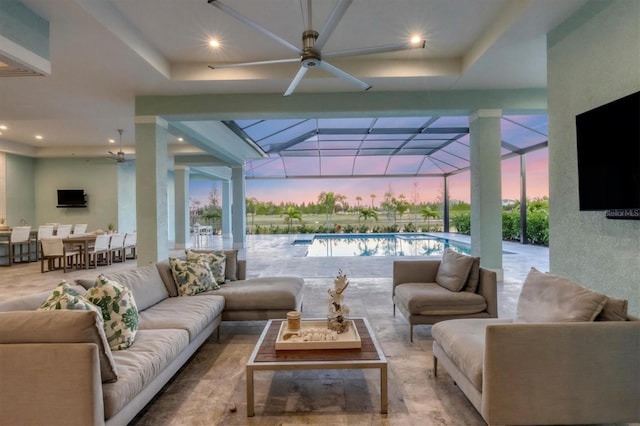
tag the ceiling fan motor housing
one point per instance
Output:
(310, 58)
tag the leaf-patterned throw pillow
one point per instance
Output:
(192, 277)
(217, 261)
(119, 311)
(65, 297)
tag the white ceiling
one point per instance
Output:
(104, 53)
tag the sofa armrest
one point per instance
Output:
(415, 271)
(50, 383)
(561, 373)
(488, 288)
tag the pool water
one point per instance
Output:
(413, 244)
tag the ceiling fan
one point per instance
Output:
(119, 156)
(311, 56)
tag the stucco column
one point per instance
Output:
(151, 189)
(486, 189)
(182, 219)
(238, 207)
(226, 210)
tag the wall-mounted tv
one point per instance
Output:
(71, 198)
(608, 142)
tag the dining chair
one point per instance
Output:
(100, 251)
(80, 228)
(130, 240)
(54, 249)
(63, 231)
(20, 238)
(116, 248)
(44, 231)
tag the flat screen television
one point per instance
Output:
(71, 198)
(608, 142)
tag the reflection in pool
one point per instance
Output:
(414, 244)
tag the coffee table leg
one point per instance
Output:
(249, 375)
(383, 390)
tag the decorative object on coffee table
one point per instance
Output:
(338, 311)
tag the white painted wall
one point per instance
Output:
(20, 186)
(593, 58)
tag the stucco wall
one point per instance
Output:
(593, 58)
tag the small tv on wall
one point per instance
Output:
(72, 198)
(608, 142)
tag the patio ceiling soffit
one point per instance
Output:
(216, 173)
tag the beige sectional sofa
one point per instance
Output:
(56, 366)
(570, 356)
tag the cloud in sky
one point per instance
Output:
(420, 188)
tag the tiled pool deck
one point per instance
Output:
(275, 255)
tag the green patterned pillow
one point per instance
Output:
(217, 261)
(192, 277)
(65, 297)
(119, 311)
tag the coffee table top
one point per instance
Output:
(265, 352)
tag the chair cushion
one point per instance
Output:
(550, 298)
(454, 270)
(432, 299)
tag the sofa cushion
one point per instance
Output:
(454, 270)
(432, 299)
(231, 265)
(216, 259)
(164, 270)
(31, 302)
(614, 310)
(550, 298)
(192, 277)
(119, 311)
(145, 283)
(150, 354)
(59, 326)
(193, 314)
(463, 341)
(65, 297)
(268, 293)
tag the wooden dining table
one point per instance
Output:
(82, 241)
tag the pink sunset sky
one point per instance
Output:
(420, 188)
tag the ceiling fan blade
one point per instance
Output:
(378, 49)
(250, 64)
(240, 17)
(112, 153)
(336, 15)
(296, 80)
(346, 76)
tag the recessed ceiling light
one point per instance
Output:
(180, 139)
(112, 141)
(214, 43)
(38, 136)
(3, 127)
(416, 39)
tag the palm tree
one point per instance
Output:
(290, 214)
(368, 213)
(427, 212)
(358, 199)
(328, 201)
(373, 196)
(251, 204)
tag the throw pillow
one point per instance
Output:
(64, 297)
(216, 259)
(192, 277)
(474, 276)
(614, 310)
(119, 311)
(453, 270)
(550, 298)
(231, 265)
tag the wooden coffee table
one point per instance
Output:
(265, 357)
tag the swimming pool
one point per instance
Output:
(409, 244)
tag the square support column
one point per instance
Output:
(486, 189)
(226, 210)
(182, 219)
(151, 190)
(238, 208)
